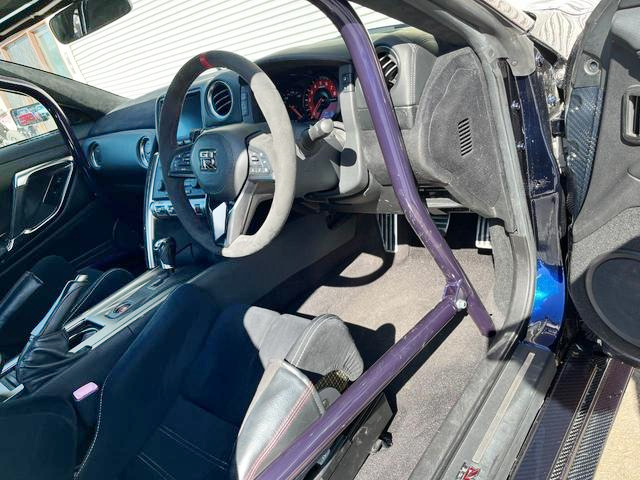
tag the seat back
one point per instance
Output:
(205, 395)
(38, 439)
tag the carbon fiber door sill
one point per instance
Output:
(571, 429)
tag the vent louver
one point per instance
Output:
(94, 156)
(220, 99)
(464, 135)
(389, 66)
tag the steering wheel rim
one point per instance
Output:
(281, 146)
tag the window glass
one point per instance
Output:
(20, 51)
(50, 50)
(22, 118)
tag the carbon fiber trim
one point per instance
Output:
(577, 423)
(572, 426)
(582, 124)
(600, 421)
(556, 417)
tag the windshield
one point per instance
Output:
(143, 50)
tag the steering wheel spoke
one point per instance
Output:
(180, 166)
(260, 151)
(240, 213)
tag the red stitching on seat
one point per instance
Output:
(285, 424)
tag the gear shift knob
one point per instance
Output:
(165, 252)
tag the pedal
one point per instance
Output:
(442, 222)
(388, 228)
(483, 238)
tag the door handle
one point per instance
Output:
(38, 195)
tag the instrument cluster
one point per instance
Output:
(309, 96)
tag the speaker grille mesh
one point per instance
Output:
(464, 135)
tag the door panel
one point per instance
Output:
(603, 158)
(34, 175)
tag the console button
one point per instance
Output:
(259, 165)
(159, 210)
(119, 310)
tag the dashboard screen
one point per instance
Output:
(190, 118)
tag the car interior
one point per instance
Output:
(232, 257)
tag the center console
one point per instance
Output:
(95, 327)
(141, 296)
(160, 217)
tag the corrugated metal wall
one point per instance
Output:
(143, 50)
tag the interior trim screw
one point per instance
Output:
(592, 66)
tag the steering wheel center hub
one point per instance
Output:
(220, 169)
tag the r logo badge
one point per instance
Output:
(208, 160)
(467, 472)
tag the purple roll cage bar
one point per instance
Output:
(458, 294)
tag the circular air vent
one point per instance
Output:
(94, 156)
(220, 99)
(145, 151)
(389, 65)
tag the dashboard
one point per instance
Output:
(191, 118)
(316, 82)
(439, 96)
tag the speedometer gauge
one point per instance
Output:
(321, 99)
(292, 99)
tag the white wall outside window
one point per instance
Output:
(143, 50)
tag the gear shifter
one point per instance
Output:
(165, 252)
(47, 350)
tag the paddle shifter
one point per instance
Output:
(165, 252)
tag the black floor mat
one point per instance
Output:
(381, 298)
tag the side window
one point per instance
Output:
(22, 118)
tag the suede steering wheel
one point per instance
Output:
(238, 164)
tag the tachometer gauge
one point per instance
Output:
(292, 99)
(321, 99)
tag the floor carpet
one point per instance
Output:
(381, 297)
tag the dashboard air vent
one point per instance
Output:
(145, 151)
(220, 99)
(94, 156)
(389, 65)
